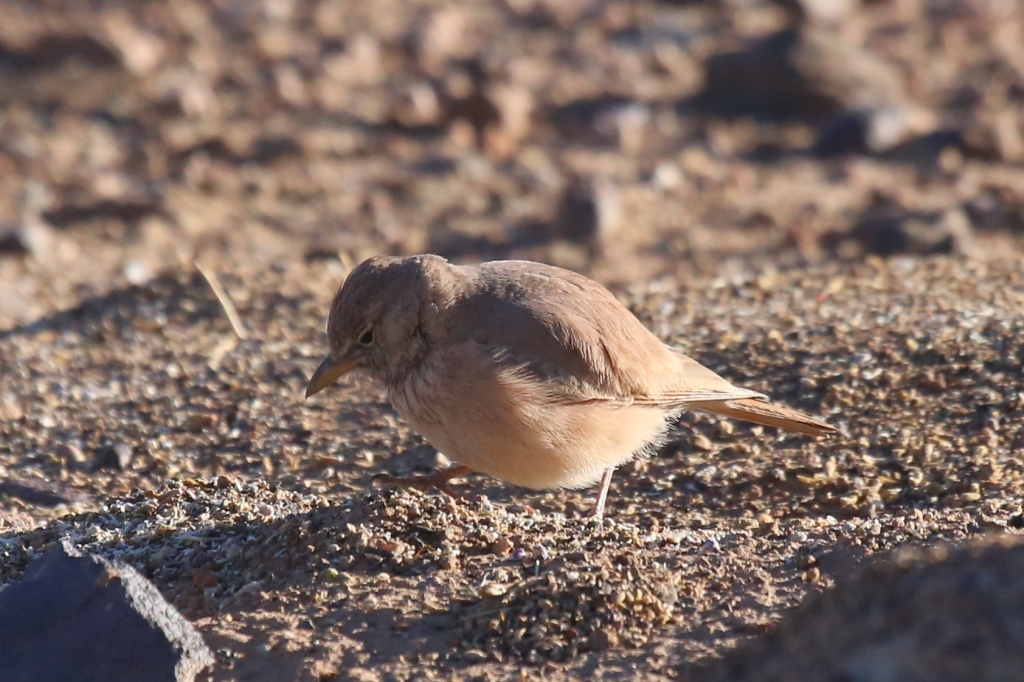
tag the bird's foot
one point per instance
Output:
(438, 480)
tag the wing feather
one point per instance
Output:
(560, 328)
(572, 337)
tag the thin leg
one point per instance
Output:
(438, 479)
(602, 494)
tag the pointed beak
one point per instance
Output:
(328, 372)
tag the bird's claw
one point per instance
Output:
(438, 480)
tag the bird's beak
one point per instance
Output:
(328, 372)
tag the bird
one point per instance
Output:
(530, 373)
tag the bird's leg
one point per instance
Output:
(602, 494)
(438, 479)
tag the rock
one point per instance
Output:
(117, 456)
(626, 124)
(360, 64)
(33, 236)
(12, 240)
(804, 73)
(137, 272)
(599, 640)
(887, 229)
(10, 408)
(71, 456)
(443, 36)
(441, 461)
(202, 421)
(589, 212)
(702, 442)
(417, 105)
(84, 618)
(140, 51)
(941, 614)
(859, 131)
(667, 176)
(828, 10)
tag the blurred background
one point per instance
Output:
(626, 140)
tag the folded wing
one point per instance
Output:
(556, 327)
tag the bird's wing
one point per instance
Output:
(569, 335)
(562, 329)
(693, 382)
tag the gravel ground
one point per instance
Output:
(825, 207)
(283, 554)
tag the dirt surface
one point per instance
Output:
(823, 201)
(285, 556)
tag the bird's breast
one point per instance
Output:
(416, 396)
(503, 424)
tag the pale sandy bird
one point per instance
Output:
(529, 373)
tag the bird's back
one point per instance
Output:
(570, 331)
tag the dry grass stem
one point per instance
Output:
(225, 301)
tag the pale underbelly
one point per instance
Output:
(514, 437)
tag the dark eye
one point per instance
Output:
(366, 338)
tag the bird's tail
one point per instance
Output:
(762, 412)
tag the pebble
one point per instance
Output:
(117, 456)
(70, 455)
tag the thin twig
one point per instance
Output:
(225, 301)
(346, 262)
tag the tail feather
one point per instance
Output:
(762, 412)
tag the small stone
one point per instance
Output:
(117, 456)
(392, 547)
(599, 640)
(702, 442)
(887, 228)
(329, 574)
(137, 272)
(493, 590)
(70, 456)
(667, 176)
(10, 410)
(141, 51)
(197, 423)
(589, 212)
(502, 546)
(204, 578)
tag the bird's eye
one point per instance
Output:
(366, 338)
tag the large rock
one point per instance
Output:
(83, 618)
(955, 615)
